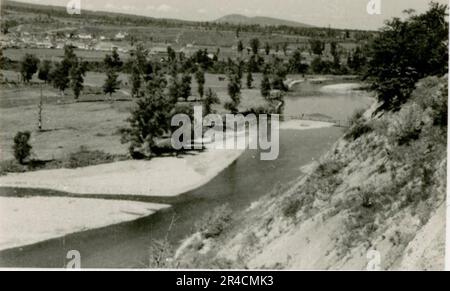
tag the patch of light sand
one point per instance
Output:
(167, 176)
(340, 88)
(25, 221)
(164, 176)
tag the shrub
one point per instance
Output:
(358, 126)
(215, 222)
(21, 147)
(84, 157)
(291, 207)
(161, 253)
(432, 94)
(440, 107)
(358, 130)
(407, 125)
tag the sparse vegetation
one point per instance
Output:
(215, 222)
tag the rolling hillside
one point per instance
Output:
(259, 20)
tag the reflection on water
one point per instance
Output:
(339, 105)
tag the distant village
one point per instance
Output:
(58, 39)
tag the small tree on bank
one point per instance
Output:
(210, 99)
(255, 44)
(185, 87)
(77, 73)
(149, 120)
(200, 77)
(234, 91)
(21, 147)
(44, 71)
(265, 86)
(29, 67)
(112, 84)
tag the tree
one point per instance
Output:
(21, 147)
(255, 63)
(141, 69)
(157, 83)
(249, 79)
(185, 87)
(77, 73)
(200, 77)
(285, 48)
(135, 80)
(406, 51)
(317, 46)
(357, 61)
(174, 90)
(149, 120)
(234, 91)
(44, 71)
(112, 84)
(113, 64)
(254, 44)
(113, 61)
(267, 48)
(336, 54)
(70, 58)
(171, 54)
(60, 78)
(60, 75)
(210, 99)
(29, 67)
(2, 59)
(240, 47)
(296, 64)
(265, 86)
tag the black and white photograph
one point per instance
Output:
(256, 135)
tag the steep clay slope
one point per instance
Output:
(375, 201)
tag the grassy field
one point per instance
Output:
(93, 121)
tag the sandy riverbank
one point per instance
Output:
(25, 221)
(340, 88)
(165, 176)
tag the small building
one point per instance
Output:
(121, 35)
(85, 36)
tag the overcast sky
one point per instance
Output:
(337, 13)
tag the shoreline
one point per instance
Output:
(31, 220)
(161, 177)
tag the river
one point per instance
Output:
(127, 245)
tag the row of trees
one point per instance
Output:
(69, 73)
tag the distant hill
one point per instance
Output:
(259, 20)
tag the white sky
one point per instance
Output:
(337, 13)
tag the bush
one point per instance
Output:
(432, 94)
(215, 222)
(358, 130)
(84, 157)
(161, 253)
(21, 147)
(407, 125)
(291, 207)
(358, 126)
